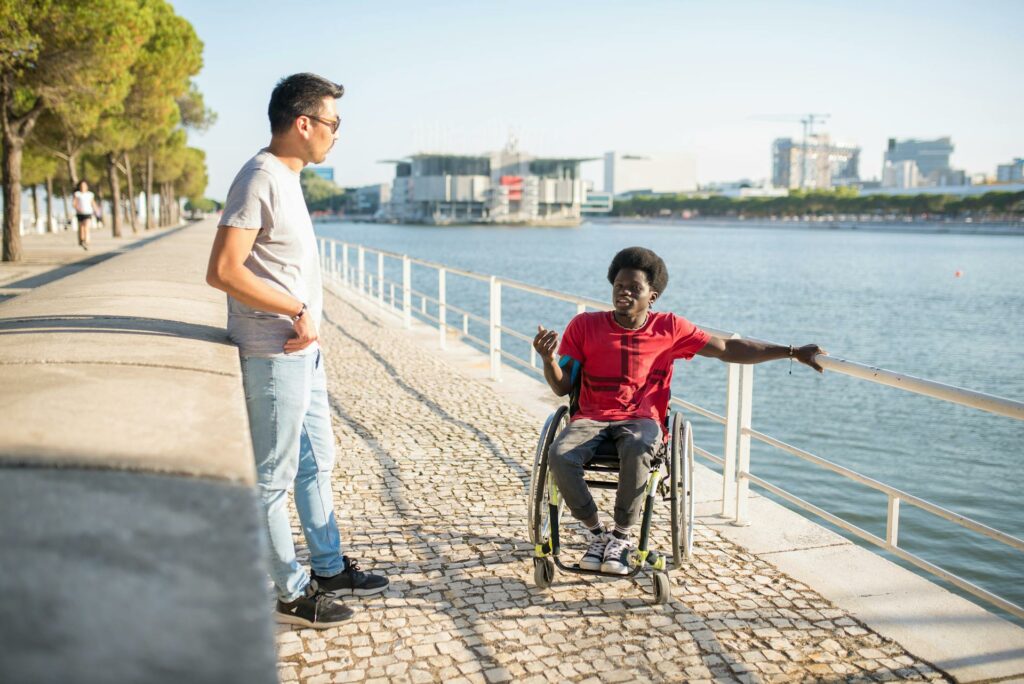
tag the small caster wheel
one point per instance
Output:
(543, 572)
(662, 588)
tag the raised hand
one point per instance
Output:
(546, 343)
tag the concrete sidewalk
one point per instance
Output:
(48, 257)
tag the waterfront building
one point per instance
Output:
(370, 198)
(1012, 172)
(665, 172)
(900, 174)
(598, 202)
(817, 163)
(930, 156)
(325, 172)
(508, 186)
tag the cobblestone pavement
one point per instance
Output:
(430, 488)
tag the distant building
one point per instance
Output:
(658, 173)
(598, 202)
(818, 164)
(325, 172)
(742, 188)
(508, 186)
(900, 174)
(370, 198)
(1010, 173)
(930, 156)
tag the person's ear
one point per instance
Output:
(654, 296)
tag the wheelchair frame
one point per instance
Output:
(671, 476)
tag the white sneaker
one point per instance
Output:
(594, 557)
(616, 556)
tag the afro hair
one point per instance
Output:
(642, 259)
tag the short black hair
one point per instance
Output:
(298, 95)
(642, 259)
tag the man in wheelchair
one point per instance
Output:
(623, 361)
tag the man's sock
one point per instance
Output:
(621, 532)
(597, 530)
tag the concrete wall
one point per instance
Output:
(130, 535)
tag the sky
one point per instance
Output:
(715, 80)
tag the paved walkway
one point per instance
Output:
(430, 488)
(48, 257)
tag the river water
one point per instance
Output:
(945, 307)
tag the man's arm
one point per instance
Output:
(546, 344)
(227, 271)
(749, 351)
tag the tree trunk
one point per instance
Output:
(162, 215)
(35, 207)
(115, 195)
(67, 204)
(133, 214)
(12, 198)
(149, 192)
(73, 171)
(49, 204)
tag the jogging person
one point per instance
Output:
(624, 360)
(84, 203)
(265, 258)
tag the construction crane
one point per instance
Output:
(808, 121)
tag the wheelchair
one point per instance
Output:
(670, 479)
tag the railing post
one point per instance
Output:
(407, 291)
(442, 308)
(361, 265)
(495, 336)
(392, 288)
(732, 419)
(334, 260)
(380, 277)
(581, 308)
(892, 522)
(344, 263)
(743, 444)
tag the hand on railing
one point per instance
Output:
(806, 354)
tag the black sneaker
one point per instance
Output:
(352, 581)
(316, 608)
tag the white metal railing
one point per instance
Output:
(735, 458)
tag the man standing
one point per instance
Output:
(265, 258)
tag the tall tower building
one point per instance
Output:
(930, 156)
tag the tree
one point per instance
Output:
(44, 64)
(38, 167)
(320, 193)
(171, 56)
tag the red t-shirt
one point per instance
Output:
(627, 374)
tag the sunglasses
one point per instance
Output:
(333, 125)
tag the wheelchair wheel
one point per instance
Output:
(543, 572)
(662, 588)
(537, 508)
(681, 485)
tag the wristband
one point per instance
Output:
(302, 311)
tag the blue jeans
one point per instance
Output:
(293, 443)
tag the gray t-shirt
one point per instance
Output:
(266, 196)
